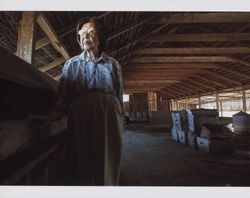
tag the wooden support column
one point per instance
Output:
(199, 102)
(217, 102)
(171, 105)
(244, 101)
(221, 109)
(26, 36)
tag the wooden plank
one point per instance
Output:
(192, 86)
(174, 91)
(237, 60)
(178, 18)
(193, 50)
(15, 177)
(144, 36)
(54, 39)
(235, 72)
(199, 37)
(225, 78)
(26, 34)
(18, 135)
(150, 82)
(199, 84)
(131, 27)
(244, 101)
(53, 64)
(57, 77)
(42, 42)
(69, 29)
(199, 101)
(207, 79)
(171, 66)
(168, 94)
(184, 59)
(160, 71)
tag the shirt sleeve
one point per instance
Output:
(61, 104)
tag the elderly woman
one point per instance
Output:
(90, 90)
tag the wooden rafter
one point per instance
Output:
(174, 59)
(206, 79)
(142, 37)
(190, 90)
(53, 64)
(199, 84)
(238, 60)
(196, 66)
(132, 26)
(232, 71)
(225, 78)
(171, 90)
(26, 36)
(198, 89)
(199, 37)
(54, 39)
(167, 93)
(233, 17)
(193, 50)
(70, 28)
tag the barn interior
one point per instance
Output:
(186, 96)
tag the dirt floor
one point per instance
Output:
(152, 158)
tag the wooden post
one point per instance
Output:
(199, 102)
(217, 102)
(171, 105)
(26, 36)
(244, 101)
(221, 109)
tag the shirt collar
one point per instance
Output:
(84, 56)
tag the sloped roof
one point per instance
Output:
(177, 54)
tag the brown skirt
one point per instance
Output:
(96, 122)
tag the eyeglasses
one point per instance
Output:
(85, 31)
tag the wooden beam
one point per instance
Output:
(235, 72)
(15, 177)
(207, 79)
(184, 59)
(225, 78)
(170, 66)
(190, 90)
(161, 71)
(244, 101)
(132, 26)
(199, 37)
(180, 18)
(42, 42)
(129, 43)
(57, 77)
(26, 34)
(167, 93)
(193, 50)
(53, 64)
(172, 92)
(150, 82)
(54, 39)
(199, 84)
(237, 60)
(192, 86)
(217, 101)
(181, 90)
(70, 28)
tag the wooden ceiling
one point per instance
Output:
(177, 54)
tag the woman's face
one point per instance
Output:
(89, 37)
